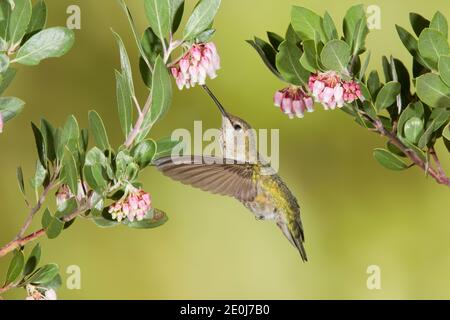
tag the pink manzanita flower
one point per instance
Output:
(1, 123)
(134, 207)
(293, 101)
(352, 91)
(201, 61)
(331, 91)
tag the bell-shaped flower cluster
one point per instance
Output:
(329, 89)
(133, 207)
(200, 62)
(293, 101)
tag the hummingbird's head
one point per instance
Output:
(238, 137)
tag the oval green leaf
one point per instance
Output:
(49, 43)
(433, 91)
(336, 55)
(389, 160)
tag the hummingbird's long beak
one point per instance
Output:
(216, 101)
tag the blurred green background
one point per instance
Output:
(355, 212)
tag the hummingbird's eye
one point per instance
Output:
(237, 127)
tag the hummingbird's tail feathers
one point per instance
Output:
(210, 174)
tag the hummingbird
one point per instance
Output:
(241, 174)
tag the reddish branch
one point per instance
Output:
(438, 175)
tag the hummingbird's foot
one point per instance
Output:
(259, 218)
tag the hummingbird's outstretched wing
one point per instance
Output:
(211, 174)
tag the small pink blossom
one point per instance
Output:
(331, 91)
(200, 62)
(1, 123)
(134, 207)
(293, 101)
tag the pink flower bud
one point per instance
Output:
(134, 207)
(1, 123)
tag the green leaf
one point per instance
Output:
(4, 62)
(306, 22)
(161, 98)
(446, 132)
(19, 20)
(38, 17)
(433, 91)
(54, 284)
(336, 55)
(48, 134)
(40, 145)
(418, 23)
(103, 219)
(144, 152)
(5, 13)
(411, 44)
(387, 95)
(389, 160)
(419, 152)
(157, 219)
(70, 171)
(329, 27)
(164, 147)
(373, 83)
(359, 37)
(39, 176)
(201, 18)
(364, 67)
(439, 23)
(309, 57)
(10, 107)
(46, 218)
(444, 69)
(432, 45)
(274, 39)
(152, 47)
(125, 62)
(205, 36)
(44, 274)
(98, 130)
(124, 104)
(352, 18)
(413, 110)
(6, 79)
(33, 260)
(288, 64)
(135, 33)
(19, 175)
(68, 138)
(94, 177)
(413, 129)
(177, 10)
(267, 56)
(15, 267)
(159, 16)
(438, 118)
(49, 43)
(54, 228)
